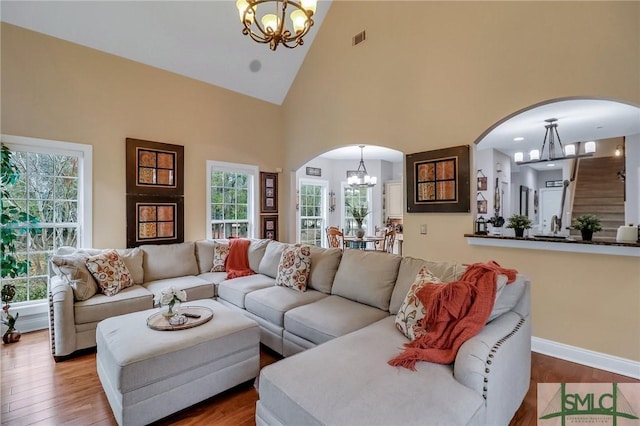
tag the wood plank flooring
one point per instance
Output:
(36, 390)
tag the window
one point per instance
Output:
(55, 188)
(232, 200)
(312, 212)
(355, 197)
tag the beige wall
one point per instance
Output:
(441, 77)
(57, 90)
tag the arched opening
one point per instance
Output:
(565, 182)
(322, 192)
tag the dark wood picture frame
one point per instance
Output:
(268, 192)
(154, 168)
(438, 181)
(482, 183)
(154, 220)
(270, 227)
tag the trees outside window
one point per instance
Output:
(355, 197)
(50, 190)
(312, 212)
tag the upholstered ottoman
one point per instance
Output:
(149, 374)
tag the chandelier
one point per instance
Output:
(269, 26)
(566, 152)
(360, 178)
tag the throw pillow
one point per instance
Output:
(133, 258)
(412, 310)
(294, 267)
(110, 272)
(220, 253)
(71, 268)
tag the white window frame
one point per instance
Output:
(85, 209)
(252, 213)
(325, 217)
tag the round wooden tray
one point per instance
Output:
(159, 322)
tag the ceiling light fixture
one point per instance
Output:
(618, 152)
(265, 21)
(360, 178)
(551, 135)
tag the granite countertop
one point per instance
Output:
(549, 239)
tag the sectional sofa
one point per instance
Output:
(341, 328)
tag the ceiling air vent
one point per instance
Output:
(359, 38)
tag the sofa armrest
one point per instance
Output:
(62, 327)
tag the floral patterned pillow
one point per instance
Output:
(220, 253)
(110, 272)
(412, 309)
(294, 267)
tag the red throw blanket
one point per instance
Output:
(456, 312)
(237, 262)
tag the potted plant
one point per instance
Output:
(358, 213)
(519, 223)
(587, 224)
(11, 335)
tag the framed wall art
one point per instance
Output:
(481, 181)
(438, 181)
(154, 220)
(154, 168)
(268, 192)
(270, 227)
(482, 203)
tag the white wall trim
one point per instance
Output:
(586, 357)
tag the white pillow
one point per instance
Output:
(294, 267)
(412, 310)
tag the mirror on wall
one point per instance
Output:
(552, 191)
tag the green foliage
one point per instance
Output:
(519, 221)
(358, 212)
(588, 222)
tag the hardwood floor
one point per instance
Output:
(36, 390)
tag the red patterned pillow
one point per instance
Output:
(412, 310)
(220, 253)
(110, 272)
(294, 267)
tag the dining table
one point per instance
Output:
(364, 242)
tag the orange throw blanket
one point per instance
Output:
(237, 262)
(456, 312)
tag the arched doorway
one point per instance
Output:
(322, 191)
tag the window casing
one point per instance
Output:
(55, 187)
(232, 200)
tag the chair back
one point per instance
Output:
(335, 237)
(389, 240)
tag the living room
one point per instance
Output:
(461, 68)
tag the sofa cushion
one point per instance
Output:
(324, 265)
(271, 303)
(204, 255)
(360, 388)
(367, 277)
(507, 296)
(271, 259)
(220, 254)
(256, 252)
(169, 260)
(294, 267)
(329, 318)
(235, 290)
(133, 258)
(131, 299)
(412, 310)
(73, 271)
(109, 271)
(196, 288)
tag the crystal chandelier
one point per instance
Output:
(551, 135)
(265, 21)
(360, 178)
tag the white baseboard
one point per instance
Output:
(593, 359)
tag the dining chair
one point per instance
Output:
(389, 240)
(335, 237)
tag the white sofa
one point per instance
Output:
(347, 317)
